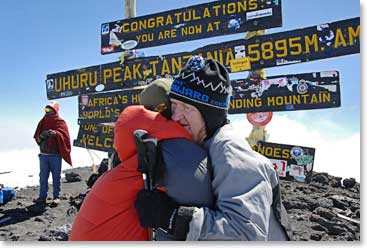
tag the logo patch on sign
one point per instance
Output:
(50, 84)
(85, 99)
(105, 29)
(297, 152)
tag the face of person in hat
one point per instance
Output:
(190, 118)
(49, 110)
(200, 97)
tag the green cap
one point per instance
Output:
(156, 93)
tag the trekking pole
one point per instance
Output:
(146, 161)
(140, 150)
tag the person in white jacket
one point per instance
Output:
(245, 186)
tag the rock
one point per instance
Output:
(332, 227)
(345, 236)
(54, 235)
(349, 182)
(77, 201)
(64, 228)
(38, 219)
(340, 204)
(354, 190)
(311, 209)
(72, 177)
(72, 211)
(354, 207)
(326, 203)
(326, 213)
(295, 204)
(323, 179)
(312, 203)
(316, 236)
(318, 227)
(318, 187)
(44, 238)
(14, 238)
(336, 182)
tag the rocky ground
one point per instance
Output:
(327, 209)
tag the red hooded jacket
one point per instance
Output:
(108, 211)
(57, 124)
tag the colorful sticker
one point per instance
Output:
(84, 100)
(304, 160)
(297, 152)
(280, 166)
(240, 64)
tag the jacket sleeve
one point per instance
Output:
(243, 196)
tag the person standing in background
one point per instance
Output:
(53, 139)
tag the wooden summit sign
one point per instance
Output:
(314, 90)
(278, 49)
(294, 163)
(190, 23)
(95, 136)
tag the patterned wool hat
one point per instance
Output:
(205, 84)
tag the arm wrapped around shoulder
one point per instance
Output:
(156, 209)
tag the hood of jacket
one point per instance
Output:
(138, 117)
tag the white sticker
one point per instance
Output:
(99, 87)
(297, 170)
(328, 74)
(259, 13)
(240, 51)
(129, 44)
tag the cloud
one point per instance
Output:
(337, 153)
(23, 165)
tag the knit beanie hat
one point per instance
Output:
(156, 94)
(52, 108)
(205, 84)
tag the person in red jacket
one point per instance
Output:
(53, 138)
(108, 211)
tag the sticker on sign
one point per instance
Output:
(259, 13)
(129, 44)
(259, 119)
(280, 166)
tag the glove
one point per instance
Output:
(44, 134)
(47, 133)
(155, 209)
(51, 133)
